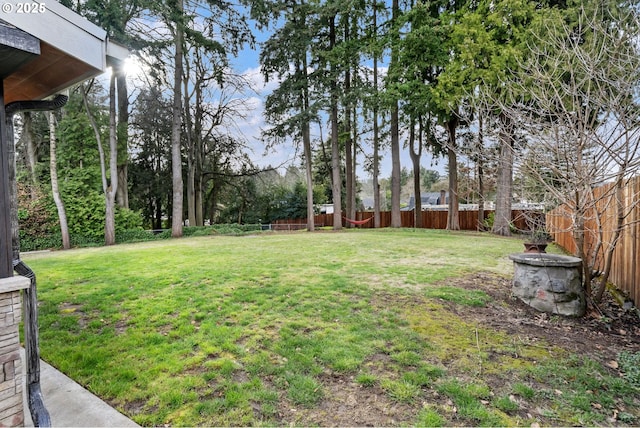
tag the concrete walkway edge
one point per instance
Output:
(70, 405)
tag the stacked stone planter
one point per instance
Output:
(550, 283)
(11, 407)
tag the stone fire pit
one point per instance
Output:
(550, 283)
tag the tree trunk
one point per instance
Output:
(176, 158)
(309, 176)
(199, 188)
(213, 196)
(306, 142)
(191, 192)
(53, 170)
(123, 137)
(376, 172)
(504, 191)
(199, 200)
(158, 203)
(453, 218)
(354, 160)
(349, 191)
(354, 66)
(336, 185)
(195, 137)
(112, 190)
(578, 229)
(191, 136)
(108, 191)
(396, 220)
(348, 155)
(480, 169)
(158, 211)
(32, 154)
(376, 132)
(415, 160)
(122, 198)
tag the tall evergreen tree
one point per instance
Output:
(151, 174)
(336, 186)
(177, 25)
(373, 48)
(290, 108)
(421, 57)
(487, 38)
(396, 220)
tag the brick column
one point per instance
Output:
(11, 407)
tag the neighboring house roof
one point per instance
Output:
(426, 198)
(71, 49)
(368, 202)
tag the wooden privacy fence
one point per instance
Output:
(432, 219)
(625, 269)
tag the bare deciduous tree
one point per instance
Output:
(109, 184)
(580, 118)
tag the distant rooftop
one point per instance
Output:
(427, 198)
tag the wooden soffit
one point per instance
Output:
(72, 49)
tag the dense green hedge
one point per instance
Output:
(54, 241)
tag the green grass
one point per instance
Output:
(366, 379)
(224, 331)
(630, 365)
(459, 295)
(472, 403)
(401, 391)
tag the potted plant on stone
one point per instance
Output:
(537, 241)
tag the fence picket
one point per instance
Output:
(431, 219)
(625, 270)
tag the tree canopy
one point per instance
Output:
(352, 83)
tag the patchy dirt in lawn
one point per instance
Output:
(347, 404)
(600, 336)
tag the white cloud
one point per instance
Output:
(254, 123)
(257, 81)
(285, 153)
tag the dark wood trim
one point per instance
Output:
(18, 39)
(6, 249)
(17, 48)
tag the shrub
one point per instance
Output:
(488, 222)
(127, 219)
(35, 243)
(136, 234)
(37, 218)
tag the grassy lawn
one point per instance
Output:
(327, 328)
